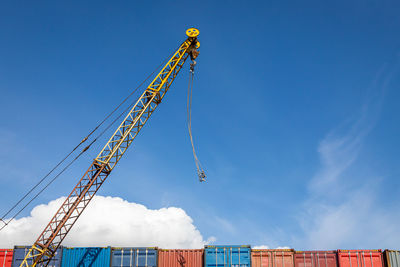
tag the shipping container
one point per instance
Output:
(86, 257)
(392, 258)
(21, 251)
(6, 256)
(180, 257)
(272, 258)
(133, 257)
(315, 259)
(360, 258)
(227, 256)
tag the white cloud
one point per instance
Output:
(260, 247)
(267, 247)
(111, 221)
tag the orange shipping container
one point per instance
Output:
(360, 258)
(272, 258)
(180, 257)
(6, 257)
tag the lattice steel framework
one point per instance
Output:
(50, 239)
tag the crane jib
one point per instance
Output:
(54, 233)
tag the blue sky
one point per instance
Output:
(295, 113)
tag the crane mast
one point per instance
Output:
(54, 233)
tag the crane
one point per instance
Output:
(44, 248)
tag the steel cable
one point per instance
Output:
(200, 172)
(66, 167)
(73, 150)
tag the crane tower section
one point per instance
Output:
(54, 233)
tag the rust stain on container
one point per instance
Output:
(6, 256)
(180, 257)
(364, 258)
(272, 258)
(318, 258)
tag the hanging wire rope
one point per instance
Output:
(2, 219)
(44, 188)
(66, 167)
(200, 172)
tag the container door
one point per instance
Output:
(261, 259)
(325, 259)
(371, 259)
(265, 259)
(239, 257)
(116, 258)
(6, 256)
(123, 258)
(304, 260)
(284, 259)
(393, 258)
(145, 257)
(360, 258)
(217, 257)
(234, 257)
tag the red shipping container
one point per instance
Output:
(360, 258)
(272, 258)
(180, 257)
(315, 259)
(6, 256)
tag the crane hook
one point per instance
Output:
(192, 66)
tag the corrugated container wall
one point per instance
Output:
(134, 257)
(180, 257)
(315, 259)
(86, 257)
(227, 256)
(392, 258)
(272, 257)
(21, 251)
(356, 258)
(6, 256)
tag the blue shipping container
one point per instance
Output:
(134, 257)
(86, 257)
(21, 251)
(231, 256)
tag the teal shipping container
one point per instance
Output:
(227, 256)
(86, 257)
(134, 257)
(21, 251)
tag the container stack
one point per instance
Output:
(210, 256)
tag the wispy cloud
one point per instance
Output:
(225, 225)
(342, 145)
(342, 210)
